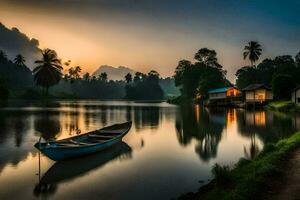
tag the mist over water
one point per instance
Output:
(169, 150)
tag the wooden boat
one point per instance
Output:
(66, 170)
(84, 144)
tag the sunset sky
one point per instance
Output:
(156, 34)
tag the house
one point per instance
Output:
(224, 96)
(296, 95)
(257, 94)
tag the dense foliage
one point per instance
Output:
(144, 87)
(15, 75)
(281, 73)
(20, 80)
(199, 77)
(3, 90)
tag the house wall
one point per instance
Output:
(220, 95)
(269, 95)
(233, 92)
(259, 95)
(296, 96)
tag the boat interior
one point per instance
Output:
(93, 137)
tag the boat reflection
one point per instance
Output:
(67, 170)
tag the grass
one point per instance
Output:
(284, 106)
(248, 179)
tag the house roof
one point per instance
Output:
(255, 87)
(219, 90)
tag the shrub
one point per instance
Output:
(221, 173)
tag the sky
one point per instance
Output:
(156, 34)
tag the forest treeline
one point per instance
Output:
(282, 74)
(18, 81)
(193, 79)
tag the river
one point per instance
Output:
(169, 150)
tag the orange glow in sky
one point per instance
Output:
(149, 35)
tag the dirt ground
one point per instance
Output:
(287, 186)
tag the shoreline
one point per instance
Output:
(249, 178)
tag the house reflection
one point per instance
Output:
(268, 126)
(258, 118)
(231, 116)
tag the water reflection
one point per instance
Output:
(47, 126)
(206, 126)
(169, 144)
(70, 170)
(202, 125)
(147, 117)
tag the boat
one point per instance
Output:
(84, 144)
(72, 169)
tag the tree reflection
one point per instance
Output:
(206, 127)
(146, 117)
(47, 126)
(19, 128)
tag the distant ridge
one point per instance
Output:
(114, 73)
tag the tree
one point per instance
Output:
(245, 76)
(282, 85)
(48, 70)
(198, 78)
(286, 65)
(265, 71)
(86, 77)
(3, 90)
(297, 58)
(74, 73)
(153, 76)
(252, 51)
(207, 57)
(128, 78)
(103, 77)
(3, 57)
(181, 69)
(145, 87)
(19, 60)
(137, 77)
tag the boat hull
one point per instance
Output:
(57, 153)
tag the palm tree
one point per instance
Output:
(19, 60)
(86, 77)
(48, 72)
(3, 56)
(74, 73)
(252, 51)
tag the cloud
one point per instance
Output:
(13, 42)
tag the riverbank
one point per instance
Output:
(283, 106)
(249, 178)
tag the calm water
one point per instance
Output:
(168, 151)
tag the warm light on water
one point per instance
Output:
(166, 153)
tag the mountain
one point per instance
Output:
(14, 42)
(114, 73)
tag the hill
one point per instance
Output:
(114, 73)
(14, 42)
